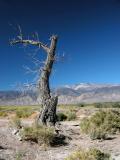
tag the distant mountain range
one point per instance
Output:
(68, 94)
(89, 93)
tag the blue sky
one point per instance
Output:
(89, 36)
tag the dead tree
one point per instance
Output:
(48, 102)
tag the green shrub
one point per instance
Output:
(81, 105)
(38, 134)
(23, 113)
(71, 116)
(101, 124)
(107, 105)
(116, 105)
(16, 122)
(98, 155)
(99, 105)
(92, 154)
(3, 114)
(98, 134)
(61, 116)
(19, 155)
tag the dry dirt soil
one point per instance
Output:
(13, 149)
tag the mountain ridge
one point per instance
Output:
(68, 94)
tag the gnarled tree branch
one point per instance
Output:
(31, 42)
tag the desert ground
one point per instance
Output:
(12, 148)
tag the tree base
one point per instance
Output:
(48, 115)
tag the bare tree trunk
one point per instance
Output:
(48, 114)
(49, 103)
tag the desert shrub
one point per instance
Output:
(101, 124)
(38, 134)
(116, 105)
(81, 105)
(92, 154)
(71, 115)
(3, 114)
(61, 116)
(16, 122)
(23, 113)
(107, 105)
(99, 105)
(19, 155)
(98, 134)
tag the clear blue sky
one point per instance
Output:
(89, 35)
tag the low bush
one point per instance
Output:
(92, 154)
(81, 105)
(3, 114)
(116, 105)
(19, 155)
(16, 122)
(71, 115)
(23, 113)
(61, 116)
(107, 105)
(101, 124)
(38, 134)
(100, 105)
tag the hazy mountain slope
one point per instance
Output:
(79, 93)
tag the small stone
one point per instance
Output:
(15, 131)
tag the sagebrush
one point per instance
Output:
(101, 124)
(39, 134)
(92, 154)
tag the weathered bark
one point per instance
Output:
(49, 103)
(48, 114)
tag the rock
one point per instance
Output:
(15, 131)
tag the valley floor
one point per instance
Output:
(13, 149)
